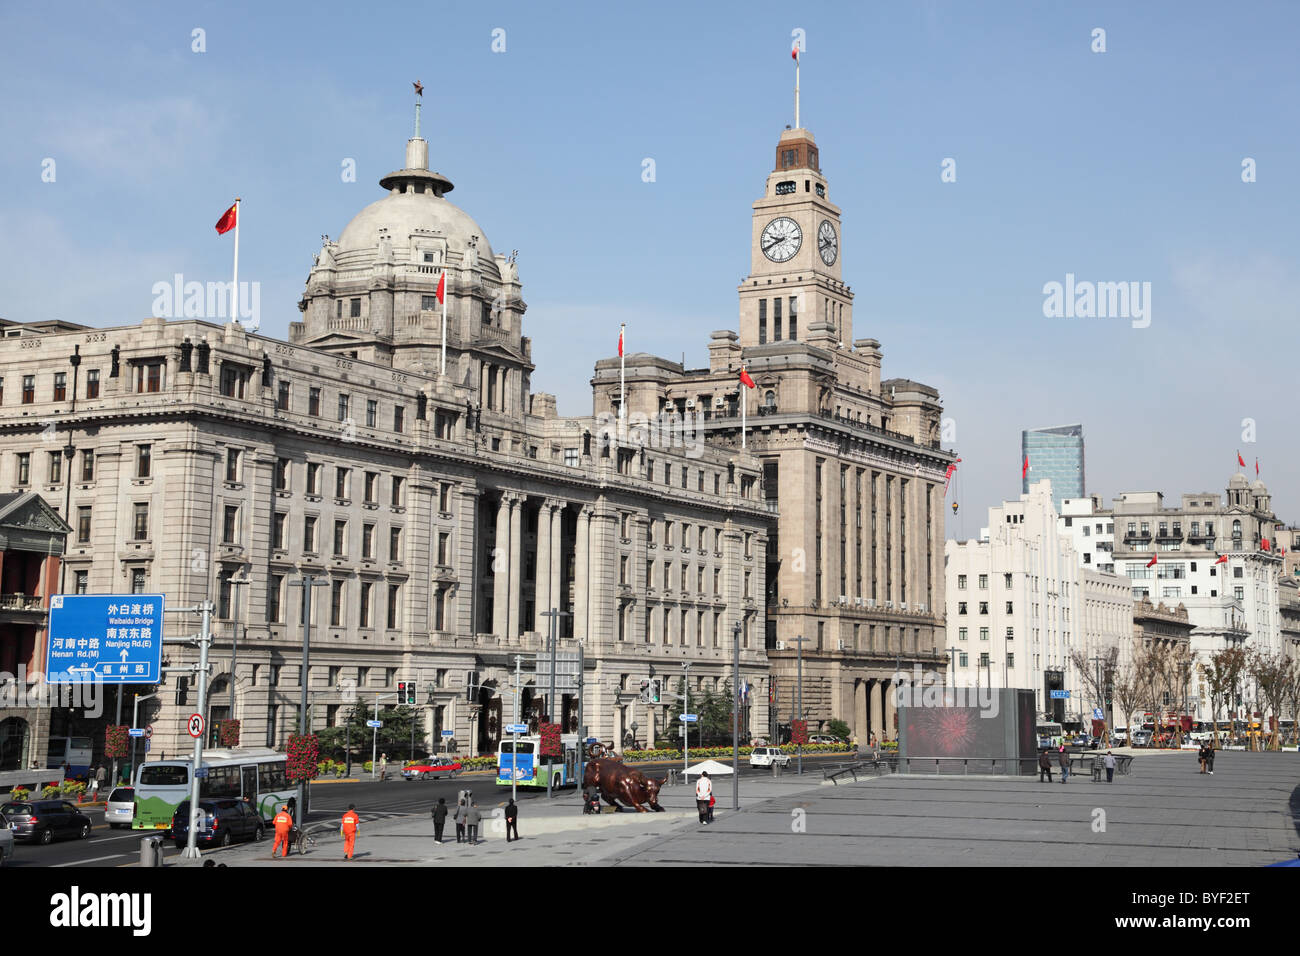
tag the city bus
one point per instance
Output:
(257, 773)
(523, 766)
(1049, 733)
(76, 751)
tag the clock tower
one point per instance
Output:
(794, 279)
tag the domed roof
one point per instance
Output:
(1258, 485)
(402, 214)
(1238, 481)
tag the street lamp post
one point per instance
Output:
(307, 582)
(798, 643)
(735, 717)
(236, 624)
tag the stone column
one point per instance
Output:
(860, 710)
(850, 536)
(557, 528)
(516, 562)
(542, 567)
(482, 384)
(876, 709)
(500, 569)
(580, 576)
(891, 709)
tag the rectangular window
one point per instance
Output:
(56, 467)
(313, 402)
(340, 482)
(984, 582)
(29, 389)
(309, 534)
(961, 633)
(399, 419)
(793, 319)
(274, 585)
(444, 498)
(143, 461)
(277, 530)
(371, 487)
(1011, 634)
(60, 386)
(776, 319)
(313, 478)
(762, 321)
(984, 633)
(372, 412)
(137, 581)
(340, 537)
(355, 309)
(343, 406)
(282, 474)
(961, 582)
(24, 467)
(963, 660)
(571, 457)
(368, 541)
(82, 585)
(282, 397)
(393, 604)
(444, 548)
(364, 606)
(230, 525)
(141, 528)
(232, 465)
(232, 381)
(1006, 580)
(1010, 606)
(397, 499)
(336, 603)
(92, 383)
(83, 525)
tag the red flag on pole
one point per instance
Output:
(1024, 469)
(620, 342)
(794, 53)
(745, 379)
(1256, 467)
(442, 288)
(1266, 544)
(1152, 561)
(227, 220)
(1222, 559)
(1241, 462)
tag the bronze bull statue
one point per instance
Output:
(617, 783)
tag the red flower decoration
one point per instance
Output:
(550, 742)
(799, 731)
(303, 753)
(115, 741)
(228, 733)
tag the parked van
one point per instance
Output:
(766, 756)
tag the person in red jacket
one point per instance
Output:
(351, 823)
(283, 827)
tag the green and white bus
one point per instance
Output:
(526, 768)
(257, 773)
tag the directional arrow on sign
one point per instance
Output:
(125, 654)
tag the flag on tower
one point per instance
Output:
(1152, 561)
(229, 219)
(1241, 462)
(442, 288)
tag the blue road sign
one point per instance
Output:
(690, 718)
(1060, 695)
(136, 731)
(1097, 714)
(516, 728)
(375, 723)
(201, 772)
(449, 733)
(114, 638)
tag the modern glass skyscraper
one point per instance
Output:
(1055, 453)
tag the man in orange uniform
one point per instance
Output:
(283, 826)
(351, 822)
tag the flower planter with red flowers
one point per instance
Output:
(302, 755)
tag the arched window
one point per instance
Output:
(769, 399)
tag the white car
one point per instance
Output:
(6, 840)
(766, 756)
(120, 809)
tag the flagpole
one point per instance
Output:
(443, 366)
(622, 371)
(796, 91)
(234, 299)
(742, 411)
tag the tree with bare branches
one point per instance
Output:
(1292, 696)
(1271, 672)
(1126, 693)
(1222, 672)
(1098, 674)
(1149, 673)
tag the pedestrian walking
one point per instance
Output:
(1209, 761)
(1064, 760)
(101, 777)
(383, 766)
(703, 793)
(472, 819)
(1201, 757)
(351, 823)
(94, 783)
(512, 820)
(1044, 766)
(439, 819)
(459, 818)
(1108, 762)
(283, 826)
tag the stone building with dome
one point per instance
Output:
(408, 466)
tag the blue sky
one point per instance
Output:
(1115, 166)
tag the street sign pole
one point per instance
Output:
(514, 753)
(686, 709)
(191, 851)
(735, 718)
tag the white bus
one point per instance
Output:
(256, 773)
(75, 751)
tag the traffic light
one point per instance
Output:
(182, 691)
(410, 692)
(401, 692)
(654, 690)
(645, 692)
(471, 685)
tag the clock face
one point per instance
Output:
(828, 244)
(781, 239)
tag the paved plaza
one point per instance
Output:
(1163, 814)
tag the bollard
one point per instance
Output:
(151, 853)
(776, 768)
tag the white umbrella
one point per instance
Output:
(711, 767)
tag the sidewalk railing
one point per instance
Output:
(985, 766)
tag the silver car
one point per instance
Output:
(6, 840)
(120, 809)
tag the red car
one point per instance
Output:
(433, 767)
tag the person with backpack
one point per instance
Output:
(439, 819)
